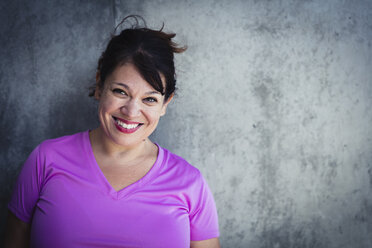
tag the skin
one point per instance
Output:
(17, 234)
(209, 243)
(126, 95)
(124, 158)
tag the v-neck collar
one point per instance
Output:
(102, 180)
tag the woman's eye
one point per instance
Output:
(119, 91)
(151, 99)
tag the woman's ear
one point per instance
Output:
(98, 76)
(165, 105)
(97, 91)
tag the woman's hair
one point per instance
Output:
(150, 51)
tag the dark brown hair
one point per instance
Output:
(150, 51)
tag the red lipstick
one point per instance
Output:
(126, 121)
(126, 130)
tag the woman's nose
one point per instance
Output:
(131, 108)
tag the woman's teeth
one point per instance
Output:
(127, 126)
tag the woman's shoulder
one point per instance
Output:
(50, 151)
(65, 143)
(178, 164)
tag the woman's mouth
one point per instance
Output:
(126, 126)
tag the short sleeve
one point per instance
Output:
(27, 188)
(203, 217)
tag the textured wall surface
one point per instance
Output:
(49, 51)
(274, 105)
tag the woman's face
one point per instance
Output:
(129, 107)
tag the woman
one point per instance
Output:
(112, 186)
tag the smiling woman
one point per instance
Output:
(112, 186)
(129, 105)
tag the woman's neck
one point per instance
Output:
(104, 146)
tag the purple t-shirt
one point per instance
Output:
(65, 196)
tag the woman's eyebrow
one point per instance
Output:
(122, 84)
(153, 92)
(128, 88)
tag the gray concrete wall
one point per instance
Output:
(274, 105)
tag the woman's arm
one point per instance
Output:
(209, 243)
(17, 233)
